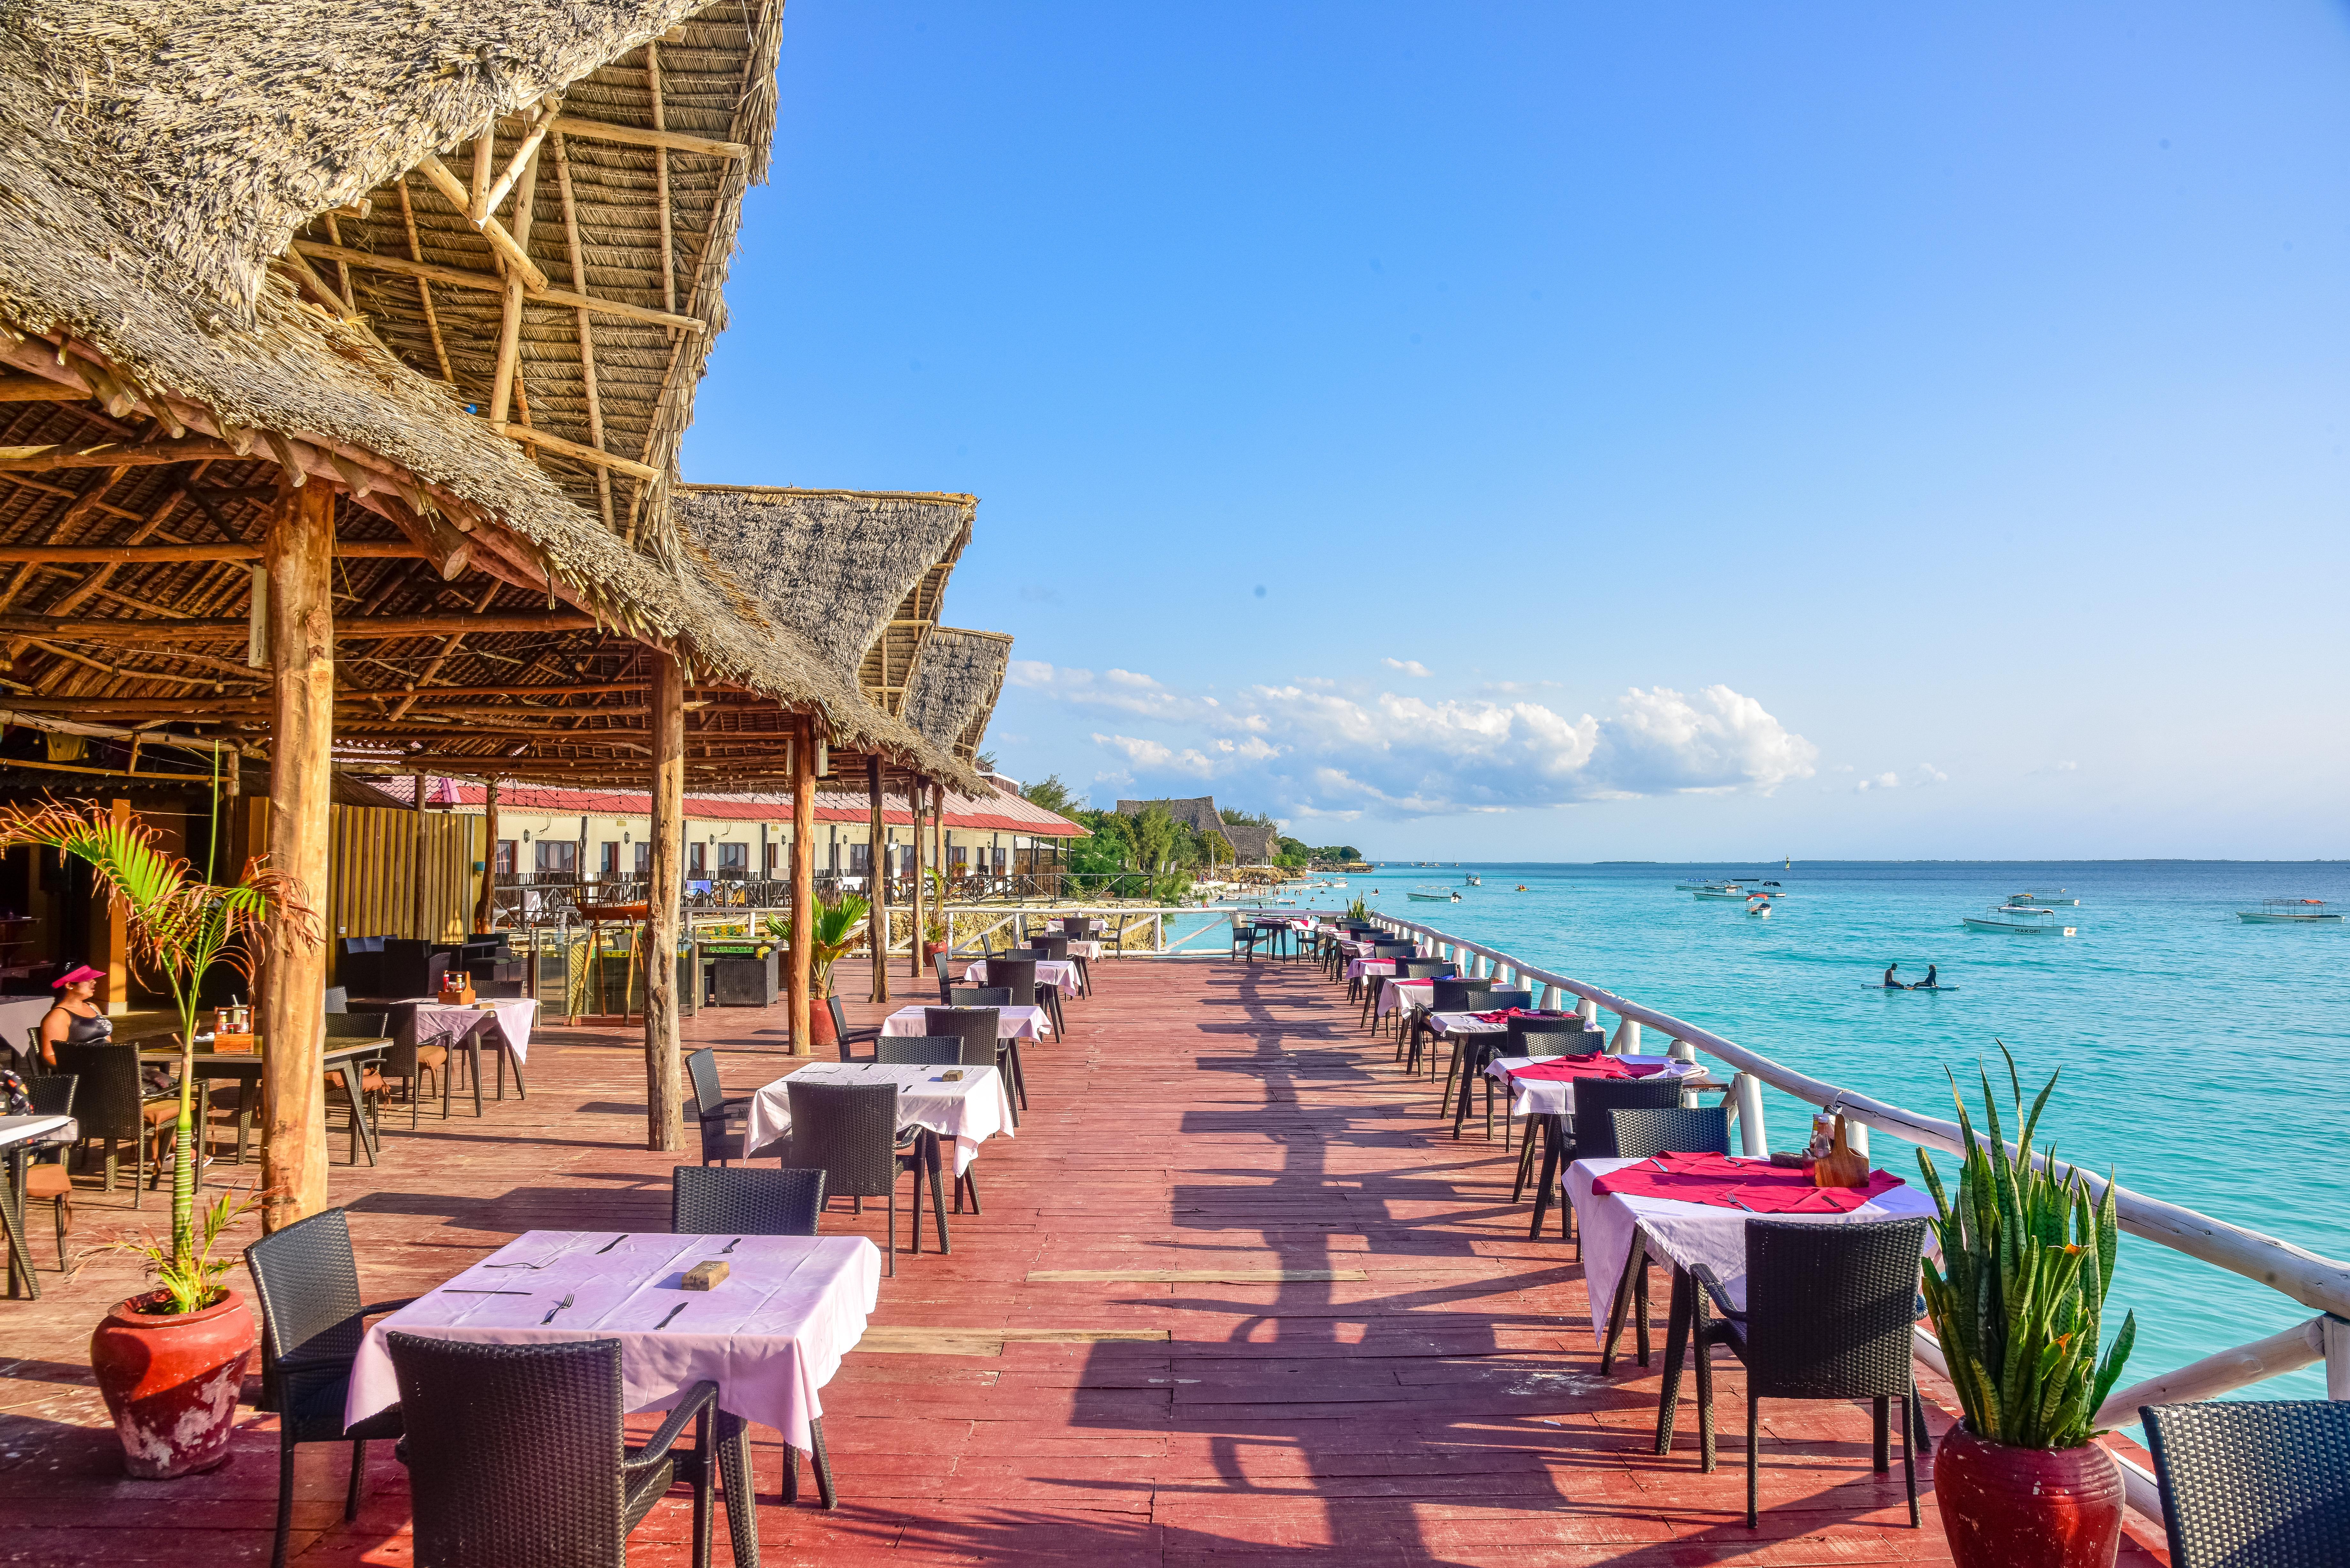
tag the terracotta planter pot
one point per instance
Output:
(171, 1382)
(2027, 1507)
(931, 951)
(820, 1029)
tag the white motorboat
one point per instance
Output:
(2288, 912)
(1694, 887)
(2045, 898)
(1721, 890)
(1759, 904)
(2024, 919)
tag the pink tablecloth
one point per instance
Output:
(438, 1023)
(771, 1335)
(1011, 1023)
(1059, 973)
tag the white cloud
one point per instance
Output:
(1928, 774)
(1306, 748)
(1409, 665)
(1882, 781)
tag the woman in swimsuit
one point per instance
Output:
(76, 1019)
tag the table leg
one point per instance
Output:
(1677, 1338)
(505, 1051)
(12, 1217)
(362, 1135)
(474, 1065)
(734, 1480)
(938, 1196)
(1549, 1180)
(1634, 1263)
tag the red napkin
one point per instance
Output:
(1753, 1185)
(1505, 1014)
(1554, 1069)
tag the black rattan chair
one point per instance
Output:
(1829, 1314)
(1530, 1037)
(2253, 1483)
(48, 1179)
(843, 1035)
(1587, 1135)
(307, 1285)
(724, 1121)
(979, 996)
(517, 1454)
(1670, 1129)
(920, 1050)
(978, 1027)
(111, 1104)
(1446, 993)
(752, 1201)
(412, 1064)
(349, 1026)
(942, 963)
(849, 1132)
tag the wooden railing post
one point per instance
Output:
(299, 553)
(664, 1036)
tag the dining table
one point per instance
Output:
(1011, 1023)
(345, 1061)
(965, 1111)
(503, 1026)
(17, 1136)
(1061, 974)
(771, 1333)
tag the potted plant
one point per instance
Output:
(170, 1361)
(936, 937)
(837, 927)
(2017, 1301)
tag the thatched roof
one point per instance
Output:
(954, 690)
(154, 159)
(859, 572)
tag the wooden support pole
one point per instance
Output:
(660, 185)
(914, 943)
(114, 996)
(803, 883)
(663, 1113)
(939, 857)
(416, 863)
(876, 881)
(301, 542)
(485, 910)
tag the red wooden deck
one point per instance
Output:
(1435, 1400)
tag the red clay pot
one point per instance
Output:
(820, 1029)
(2027, 1507)
(171, 1382)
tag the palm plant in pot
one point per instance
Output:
(836, 927)
(2017, 1302)
(170, 1361)
(935, 936)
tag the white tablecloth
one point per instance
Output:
(1688, 1232)
(970, 1112)
(1011, 1023)
(1555, 1096)
(438, 1023)
(1410, 993)
(1085, 949)
(1358, 968)
(26, 1129)
(771, 1335)
(1059, 973)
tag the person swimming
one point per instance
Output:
(1891, 983)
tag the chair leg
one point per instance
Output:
(732, 1461)
(1704, 1348)
(893, 1225)
(1753, 1451)
(64, 1207)
(359, 1480)
(1880, 1445)
(704, 1484)
(935, 1163)
(285, 1500)
(969, 1183)
(1909, 1455)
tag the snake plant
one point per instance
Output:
(2017, 1301)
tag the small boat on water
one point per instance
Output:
(1719, 890)
(2044, 897)
(1473, 881)
(2288, 912)
(1523, 888)
(1442, 897)
(2022, 919)
(1759, 904)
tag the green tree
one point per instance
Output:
(1054, 795)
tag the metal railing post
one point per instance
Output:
(1627, 1042)
(1746, 1090)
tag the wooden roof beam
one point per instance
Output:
(159, 554)
(453, 190)
(490, 283)
(81, 628)
(635, 136)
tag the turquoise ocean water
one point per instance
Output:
(2208, 1061)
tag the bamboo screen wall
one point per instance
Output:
(370, 870)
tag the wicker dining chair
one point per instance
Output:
(1447, 993)
(306, 1283)
(752, 1201)
(920, 1050)
(410, 1063)
(48, 1179)
(1830, 1313)
(113, 1105)
(942, 963)
(1465, 1047)
(1670, 1129)
(1530, 1037)
(979, 1026)
(2253, 1483)
(843, 1035)
(518, 1456)
(1587, 1135)
(724, 1121)
(980, 996)
(849, 1131)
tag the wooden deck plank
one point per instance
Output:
(1235, 1296)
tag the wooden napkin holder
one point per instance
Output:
(459, 994)
(1842, 1166)
(706, 1276)
(232, 1044)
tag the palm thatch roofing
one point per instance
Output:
(859, 572)
(159, 158)
(954, 690)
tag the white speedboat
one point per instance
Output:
(2045, 898)
(1759, 904)
(2288, 912)
(1721, 890)
(2019, 917)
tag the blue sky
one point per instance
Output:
(1569, 433)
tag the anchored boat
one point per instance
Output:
(1719, 890)
(2288, 912)
(1446, 896)
(2044, 897)
(2019, 917)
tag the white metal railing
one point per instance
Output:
(2295, 1271)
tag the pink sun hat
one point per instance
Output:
(75, 975)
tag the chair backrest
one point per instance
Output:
(1501, 997)
(702, 1069)
(410, 968)
(849, 1132)
(1545, 1037)
(1829, 1308)
(1073, 926)
(1670, 1129)
(1016, 975)
(308, 1284)
(1459, 995)
(976, 1027)
(52, 1094)
(1421, 968)
(513, 1452)
(2252, 1483)
(1595, 1132)
(1056, 949)
(339, 999)
(358, 1026)
(744, 1200)
(110, 1089)
(980, 996)
(924, 1050)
